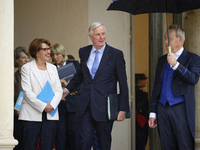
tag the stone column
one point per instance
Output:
(7, 142)
(191, 25)
(156, 45)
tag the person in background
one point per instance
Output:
(70, 57)
(21, 57)
(101, 67)
(142, 111)
(59, 57)
(34, 114)
(173, 98)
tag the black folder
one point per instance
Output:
(113, 107)
(67, 71)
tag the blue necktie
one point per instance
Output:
(95, 64)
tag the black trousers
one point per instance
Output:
(86, 127)
(18, 132)
(61, 128)
(141, 137)
(173, 127)
(33, 130)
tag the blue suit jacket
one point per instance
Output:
(111, 70)
(184, 79)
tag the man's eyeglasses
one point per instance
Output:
(46, 49)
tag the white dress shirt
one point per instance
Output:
(92, 56)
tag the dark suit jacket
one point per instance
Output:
(181, 85)
(17, 87)
(72, 101)
(111, 69)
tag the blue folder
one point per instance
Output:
(18, 103)
(47, 95)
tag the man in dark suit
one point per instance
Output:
(102, 66)
(173, 94)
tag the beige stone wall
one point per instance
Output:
(60, 21)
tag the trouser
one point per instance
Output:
(173, 127)
(103, 130)
(33, 130)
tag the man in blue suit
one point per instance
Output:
(173, 97)
(101, 67)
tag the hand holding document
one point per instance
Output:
(48, 108)
(64, 83)
(18, 103)
(46, 95)
(113, 109)
(67, 72)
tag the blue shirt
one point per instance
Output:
(92, 56)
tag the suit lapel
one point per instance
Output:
(104, 60)
(85, 59)
(36, 72)
(182, 59)
(164, 60)
(51, 72)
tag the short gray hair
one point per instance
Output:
(93, 26)
(17, 54)
(179, 31)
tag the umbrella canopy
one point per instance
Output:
(154, 6)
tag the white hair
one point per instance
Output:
(93, 26)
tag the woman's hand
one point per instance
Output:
(48, 108)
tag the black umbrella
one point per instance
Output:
(154, 6)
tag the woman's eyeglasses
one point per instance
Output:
(46, 49)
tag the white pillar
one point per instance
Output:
(7, 142)
(191, 25)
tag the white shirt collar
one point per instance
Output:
(101, 50)
(63, 64)
(178, 53)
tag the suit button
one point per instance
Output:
(177, 91)
(179, 82)
(91, 84)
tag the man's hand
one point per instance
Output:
(65, 92)
(48, 108)
(64, 83)
(151, 122)
(121, 116)
(171, 59)
(73, 93)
